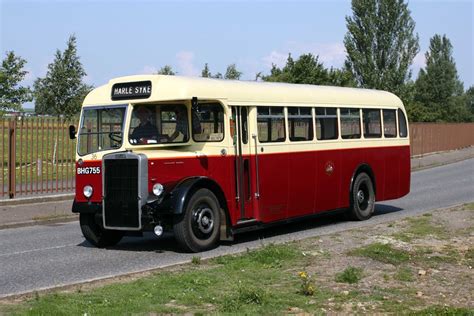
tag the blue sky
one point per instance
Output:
(117, 38)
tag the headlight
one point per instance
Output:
(158, 189)
(87, 191)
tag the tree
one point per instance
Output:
(438, 89)
(62, 91)
(166, 70)
(12, 95)
(308, 70)
(232, 73)
(470, 101)
(380, 44)
(206, 73)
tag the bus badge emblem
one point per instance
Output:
(329, 168)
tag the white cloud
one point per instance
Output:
(148, 70)
(330, 54)
(275, 58)
(185, 63)
(419, 61)
(29, 78)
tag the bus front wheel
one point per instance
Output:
(362, 198)
(97, 235)
(197, 229)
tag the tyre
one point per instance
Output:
(362, 198)
(197, 229)
(97, 235)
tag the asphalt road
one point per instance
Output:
(41, 257)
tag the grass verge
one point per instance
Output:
(429, 277)
(385, 253)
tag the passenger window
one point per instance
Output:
(350, 123)
(372, 123)
(300, 121)
(389, 123)
(208, 123)
(326, 123)
(271, 124)
(402, 124)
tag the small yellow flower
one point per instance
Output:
(303, 275)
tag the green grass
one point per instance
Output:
(445, 311)
(469, 206)
(258, 282)
(350, 275)
(428, 257)
(404, 274)
(196, 260)
(470, 257)
(420, 227)
(382, 252)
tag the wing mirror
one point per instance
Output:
(72, 132)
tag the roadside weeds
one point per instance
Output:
(419, 265)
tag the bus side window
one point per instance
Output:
(372, 123)
(208, 124)
(402, 124)
(300, 121)
(270, 124)
(350, 123)
(389, 123)
(326, 123)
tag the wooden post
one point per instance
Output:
(11, 158)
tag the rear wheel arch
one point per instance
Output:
(364, 167)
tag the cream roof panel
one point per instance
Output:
(165, 88)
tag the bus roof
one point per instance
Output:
(168, 88)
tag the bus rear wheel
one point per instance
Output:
(198, 228)
(97, 235)
(362, 198)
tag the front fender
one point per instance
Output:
(174, 202)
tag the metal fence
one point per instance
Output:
(37, 156)
(435, 137)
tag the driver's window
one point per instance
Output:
(159, 124)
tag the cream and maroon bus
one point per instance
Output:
(208, 158)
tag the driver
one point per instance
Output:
(145, 129)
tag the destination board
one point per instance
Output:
(131, 90)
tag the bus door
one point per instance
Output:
(243, 187)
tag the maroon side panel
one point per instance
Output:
(328, 175)
(405, 171)
(170, 171)
(302, 166)
(273, 176)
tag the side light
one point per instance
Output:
(158, 189)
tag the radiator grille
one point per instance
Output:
(121, 207)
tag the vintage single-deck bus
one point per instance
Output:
(209, 158)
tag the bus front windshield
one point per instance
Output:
(159, 124)
(101, 129)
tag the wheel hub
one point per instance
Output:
(204, 220)
(360, 196)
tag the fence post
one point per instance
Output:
(11, 158)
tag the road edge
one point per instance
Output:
(130, 276)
